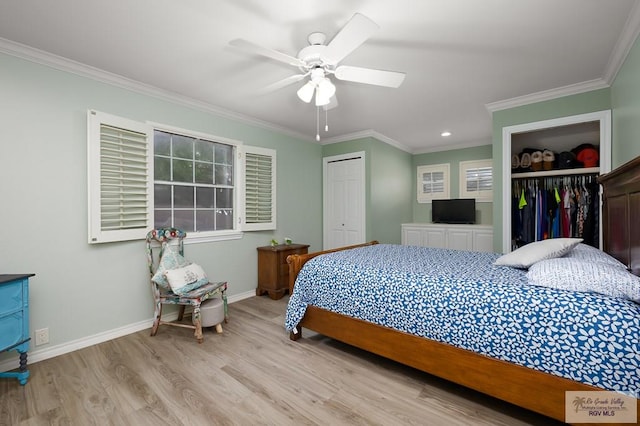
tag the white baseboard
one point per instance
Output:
(53, 351)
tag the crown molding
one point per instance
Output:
(627, 38)
(382, 138)
(366, 134)
(452, 147)
(60, 63)
(546, 95)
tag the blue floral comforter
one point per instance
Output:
(462, 299)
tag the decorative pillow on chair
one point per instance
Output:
(186, 279)
(170, 259)
(534, 252)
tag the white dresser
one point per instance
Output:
(459, 237)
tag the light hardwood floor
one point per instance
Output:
(251, 374)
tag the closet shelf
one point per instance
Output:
(557, 172)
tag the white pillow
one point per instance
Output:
(592, 254)
(184, 280)
(534, 252)
(580, 275)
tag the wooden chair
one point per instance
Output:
(161, 240)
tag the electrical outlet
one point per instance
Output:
(42, 336)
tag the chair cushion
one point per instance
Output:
(170, 259)
(186, 279)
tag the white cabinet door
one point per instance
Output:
(412, 236)
(460, 239)
(483, 240)
(435, 237)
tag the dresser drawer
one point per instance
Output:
(10, 297)
(11, 327)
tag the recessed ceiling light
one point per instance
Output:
(445, 134)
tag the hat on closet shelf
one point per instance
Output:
(589, 157)
(567, 160)
(536, 161)
(548, 157)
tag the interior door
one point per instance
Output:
(344, 200)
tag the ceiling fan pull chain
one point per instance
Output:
(318, 123)
(326, 120)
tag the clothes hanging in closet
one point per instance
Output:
(553, 207)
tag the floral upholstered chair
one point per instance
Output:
(176, 281)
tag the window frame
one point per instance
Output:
(424, 197)
(479, 195)
(95, 235)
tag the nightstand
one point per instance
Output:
(273, 269)
(14, 320)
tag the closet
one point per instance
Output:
(556, 195)
(554, 207)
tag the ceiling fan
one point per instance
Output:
(319, 60)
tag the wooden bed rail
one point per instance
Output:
(297, 261)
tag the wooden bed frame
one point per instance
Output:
(531, 389)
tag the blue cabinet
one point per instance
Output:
(14, 320)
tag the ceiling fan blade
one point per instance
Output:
(370, 76)
(283, 83)
(353, 34)
(269, 53)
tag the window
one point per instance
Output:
(194, 185)
(476, 180)
(142, 177)
(433, 182)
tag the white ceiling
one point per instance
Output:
(459, 56)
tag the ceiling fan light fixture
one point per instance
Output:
(324, 92)
(305, 93)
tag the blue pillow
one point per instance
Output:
(171, 259)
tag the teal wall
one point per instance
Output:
(597, 100)
(43, 132)
(388, 192)
(625, 101)
(422, 211)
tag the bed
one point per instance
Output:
(530, 373)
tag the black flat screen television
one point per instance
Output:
(458, 210)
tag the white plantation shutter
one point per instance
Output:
(260, 189)
(433, 182)
(120, 178)
(476, 180)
